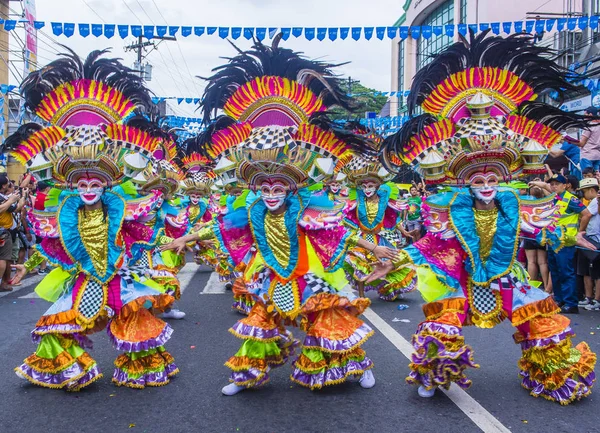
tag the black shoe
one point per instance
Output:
(228, 286)
(569, 310)
(560, 304)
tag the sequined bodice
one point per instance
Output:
(278, 237)
(93, 229)
(486, 225)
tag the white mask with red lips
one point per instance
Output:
(369, 188)
(335, 187)
(273, 194)
(195, 198)
(484, 187)
(90, 190)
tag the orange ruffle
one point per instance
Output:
(147, 363)
(243, 363)
(327, 301)
(444, 311)
(63, 361)
(544, 308)
(334, 324)
(137, 326)
(259, 317)
(62, 318)
(239, 288)
(159, 303)
(544, 327)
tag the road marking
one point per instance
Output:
(214, 286)
(186, 274)
(25, 284)
(476, 412)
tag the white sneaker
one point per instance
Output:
(367, 380)
(232, 389)
(593, 306)
(173, 313)
(586, 302)
(426, 393)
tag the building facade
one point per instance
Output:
(409, 55)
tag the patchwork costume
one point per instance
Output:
(96, 229)
(482, 125)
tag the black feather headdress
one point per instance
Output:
(516, 53)
(71, 68)
(263, 61)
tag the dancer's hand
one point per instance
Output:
(385, 253)
(380, 272)
(584, 243)
(179, 245)
(21, 272)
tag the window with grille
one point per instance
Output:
(427, 48)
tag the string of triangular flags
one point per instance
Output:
(69, 29)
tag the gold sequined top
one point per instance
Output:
(372, 208)
(278, 238)
(193, 212)
(93, 229)
(485, 222)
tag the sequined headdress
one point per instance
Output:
(199, 175)
(85, 104)
(481, 113)
(272, 95)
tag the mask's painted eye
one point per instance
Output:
(478, 182)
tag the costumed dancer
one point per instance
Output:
(483, 125)
(377, 216)
(162, 178)
(87, 150)
(293, 246)
(236, 196)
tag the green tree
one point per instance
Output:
(367, 101)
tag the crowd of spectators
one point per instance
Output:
(16, 239)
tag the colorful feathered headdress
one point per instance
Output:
(85, 102)
(272, 94)
(481, 113)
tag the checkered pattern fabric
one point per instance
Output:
(316, 284)
(471, 127)
(392, 236)
(125, 274)
(370, 237)
(484, 299)
(283, 297)
(91, 300)
(355, 164)
(270, 137)
(143, 261)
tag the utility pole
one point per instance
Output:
(140, 46)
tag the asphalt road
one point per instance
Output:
(192, 402)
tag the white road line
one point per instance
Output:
(186, 274)
(25, 284)
(214, 286)
(476, 412)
